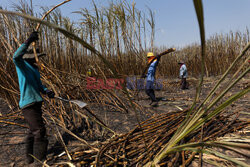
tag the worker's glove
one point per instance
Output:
(50, 93)
(158, 58)
(143, 76)
(33, 37)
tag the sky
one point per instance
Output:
(175, 20)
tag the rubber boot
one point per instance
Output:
(154, 103)
(29, 150)
(40, 149)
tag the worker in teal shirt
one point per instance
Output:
(30, 102)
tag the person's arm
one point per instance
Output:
(44, 90)
(185, 71)
(181, 72)
(47, 91)
(18, 55)
(158, 58)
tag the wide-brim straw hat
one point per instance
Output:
(150, 54)
(30, 54)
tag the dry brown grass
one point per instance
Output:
(116, 32)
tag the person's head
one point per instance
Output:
(150, 56)
(29, 57)
(181, 62)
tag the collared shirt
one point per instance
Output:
(183, 71)
(30, 84)
(152, 70)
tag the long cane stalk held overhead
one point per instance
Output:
(157, 56)
(38, 26)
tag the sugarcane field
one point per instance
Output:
(100, 85)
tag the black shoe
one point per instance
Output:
(154, 103)
(164, 99)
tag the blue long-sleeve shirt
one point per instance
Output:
(183, 71)
(30, 84)
(152, 70)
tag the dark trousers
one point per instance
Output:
(184, 83)
(36, 142)
(33, 116)
(150, 90)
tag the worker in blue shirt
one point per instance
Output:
(183, 75)
(151, 77)
(30, 102)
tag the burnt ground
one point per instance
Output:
(12, 136)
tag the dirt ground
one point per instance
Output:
(12, 137)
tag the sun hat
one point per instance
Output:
(30, 54)
(150, 54)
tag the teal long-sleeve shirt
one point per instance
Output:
(30, 84)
